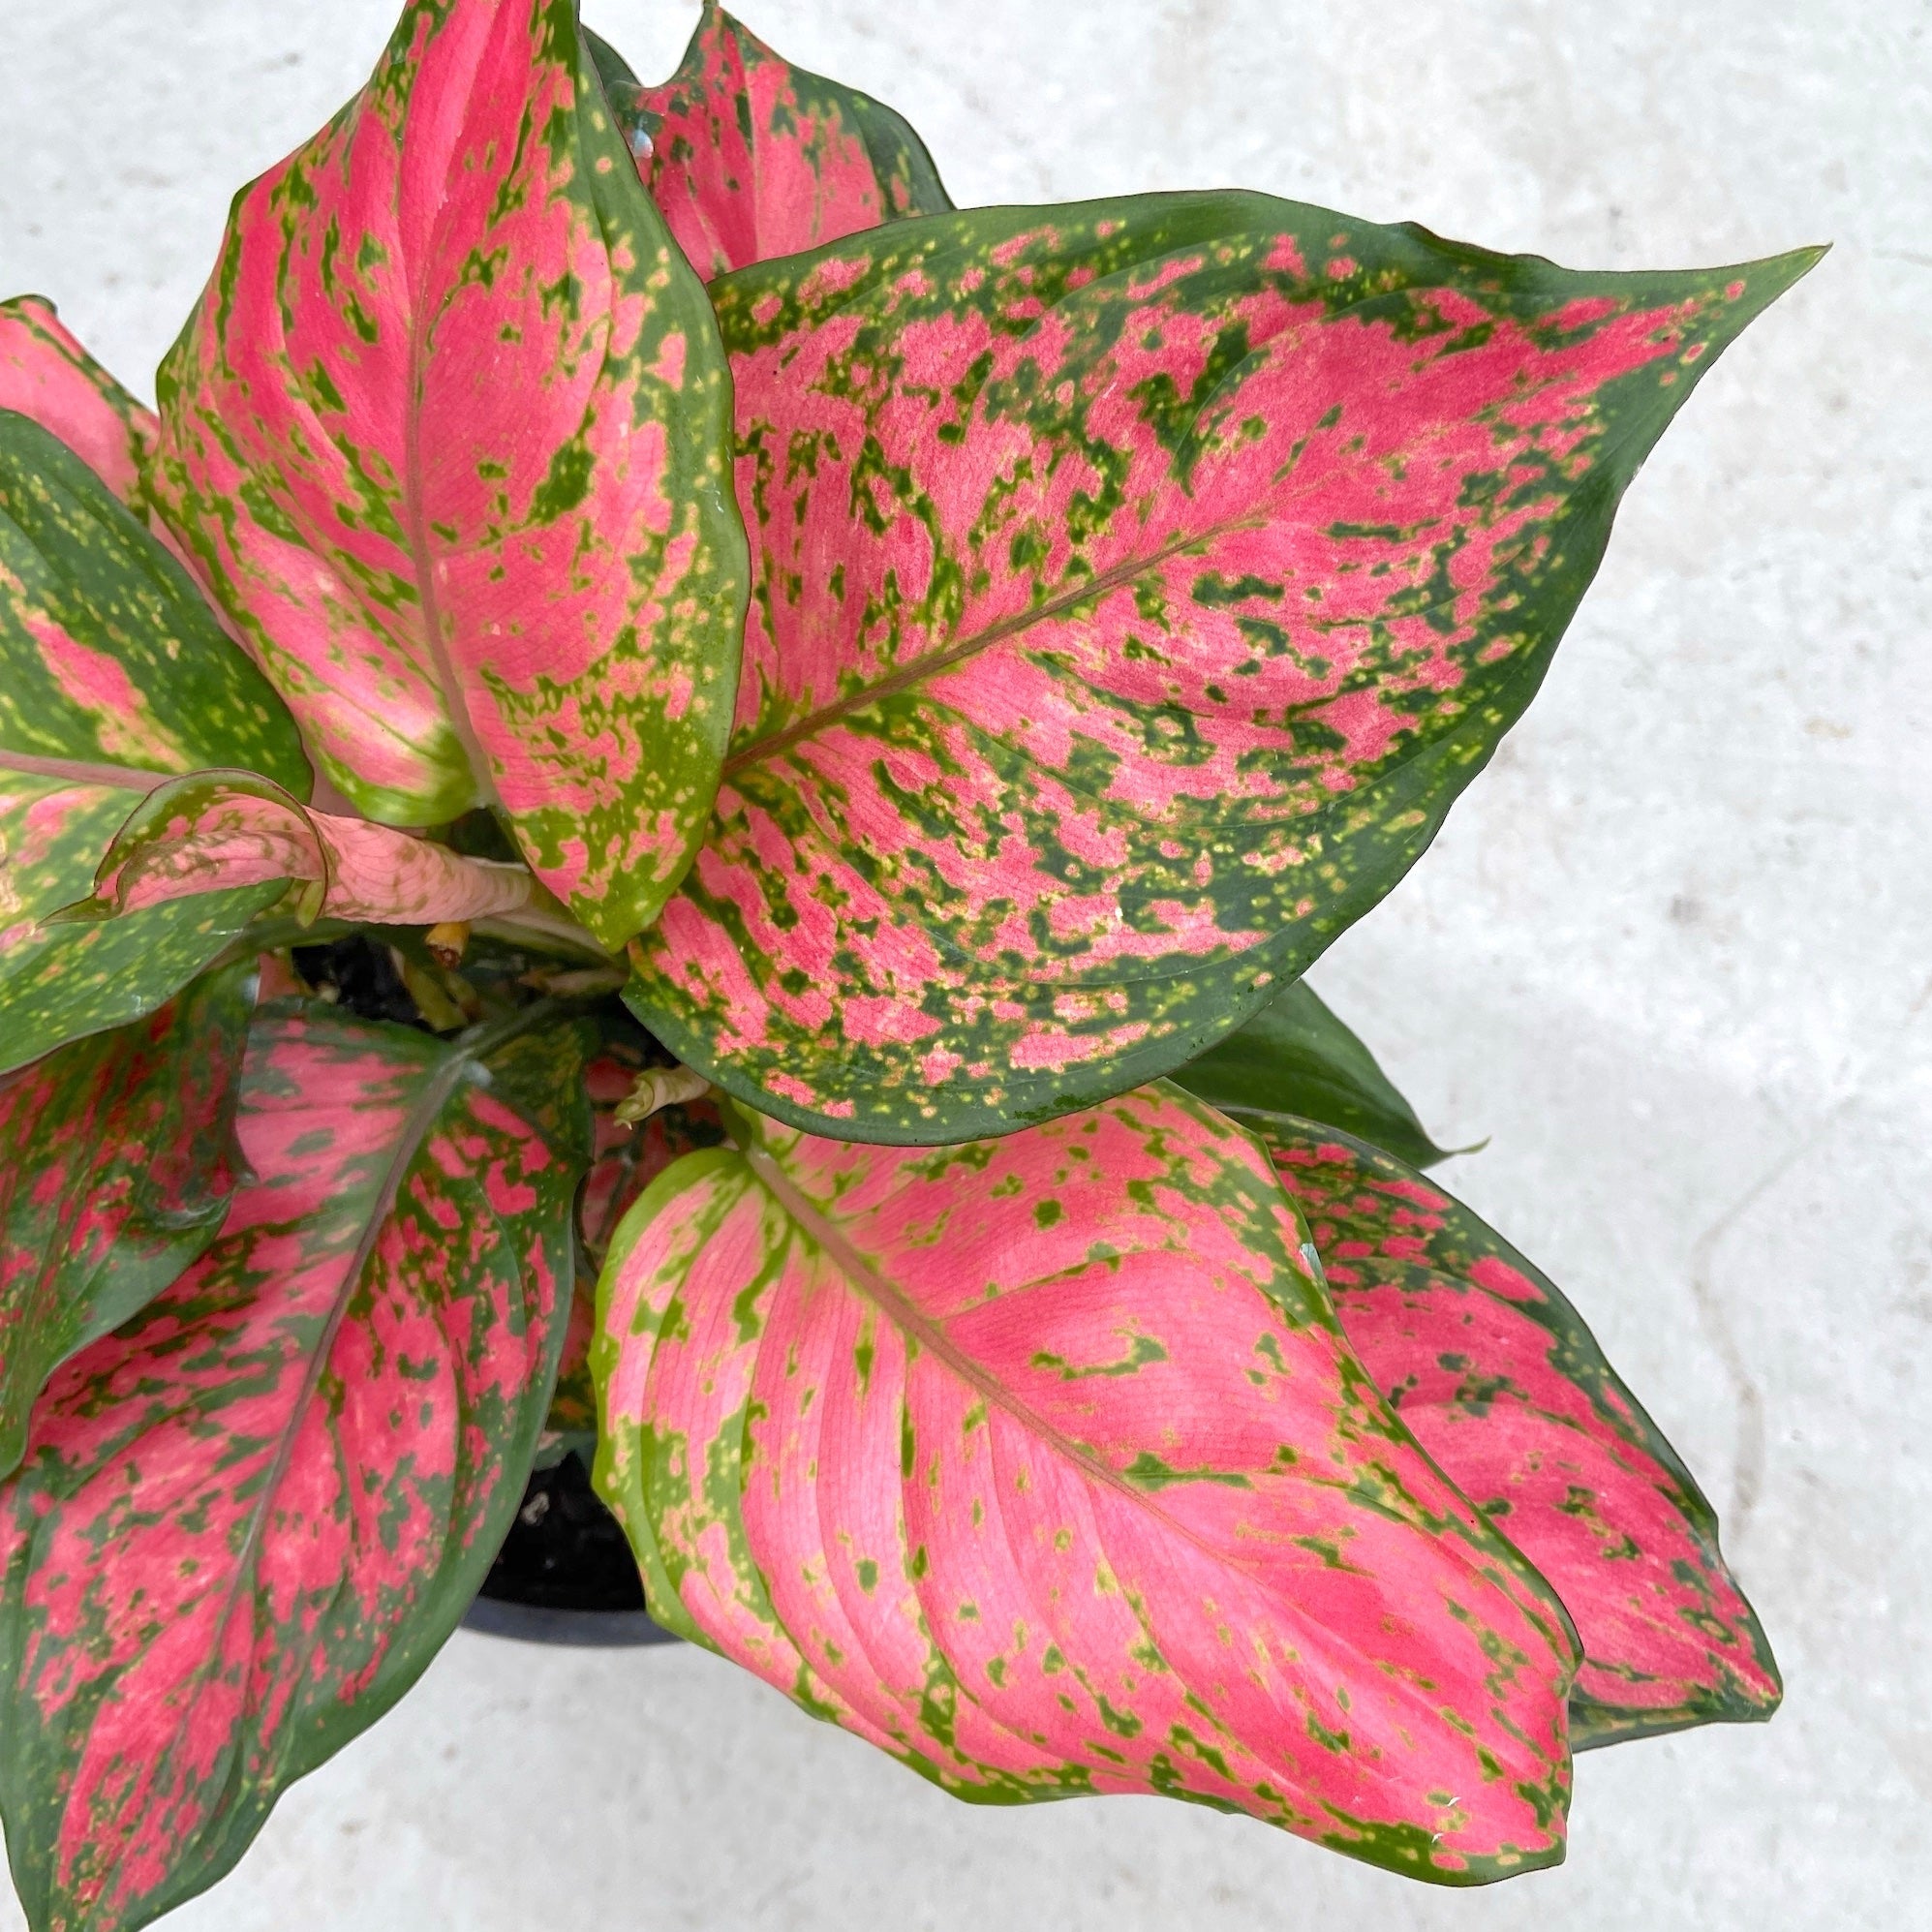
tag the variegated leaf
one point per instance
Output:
(1294, 1057)
(214, 831)
(447, 436)
(46, 374)
(1505, 1387)
(750, 157)
(1136, 585)
(1042, 1463)
(114, 676)
(247, 1519)
(117, 1164)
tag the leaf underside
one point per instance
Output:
(1042, 1465)
(115, 677)
(1294, 1057)
(447, 438)
(750, 157)
(1136, 584)
(248, 1518)
(1504, 1386)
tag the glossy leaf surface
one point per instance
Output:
(1137, 584)
(214, 831)
(248, 1520)
(1294, 1057)
(447, 436)
(1502, 1384)
(114, 676)
(750, 157)
(46, 374)
(116, 1165)
(1042, 1463)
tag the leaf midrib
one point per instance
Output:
(84, 771)
(931, 663)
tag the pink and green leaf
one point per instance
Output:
(216, 831)
(247, 1519)
(117, 1164)
(1042, 1463)
(115, 677)
(1137, 584)
(1294, 1057)
(1504, 1386)
(46, 374)
(448, 437)
(750, 157)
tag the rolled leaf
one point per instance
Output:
(1502, 1384)
(116, 1165)
(1042, 1463)
(1294, 1057)
(46, 376)
(214, 831)
(1137, 584)
(750, 157)
(447, 438)
(248, 1520)
(115, 677)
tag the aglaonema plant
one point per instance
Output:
(844, 721)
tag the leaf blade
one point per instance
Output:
(1505, 1386)
(963, 1450)
(1137, 584)
(116, 1171)
(1295, 1056)
(114, 676)
(304, 1455)
(751, 157)
(475, 524)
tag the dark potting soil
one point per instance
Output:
(565, 1551)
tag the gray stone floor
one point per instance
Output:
(1674, 953)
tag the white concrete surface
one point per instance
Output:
(1675, 952)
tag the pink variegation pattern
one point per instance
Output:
(750, 157)
(1507, 1391)
(1043, 1464)
(246, 1520)
(46, 374)
(447, 436)
(212, 831)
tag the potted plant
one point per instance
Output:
(670, 811)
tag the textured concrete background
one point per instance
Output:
(1674, 953)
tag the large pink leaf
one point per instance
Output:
(1137, 584)
(213, 831)
(750, 157)
(1042, 1463)
(447, 438)
(1505, 1387)
(247, 1519)
(46, 374)
(116, 1165)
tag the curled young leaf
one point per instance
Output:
(1136, 585)
(1042, 1463)
(750, 157)
(1502, 1384)
(447, 438)
(46, 376)
(1294, 1057)
(248, 1520)
(115, 677)
(213, 831)
(116, 1165)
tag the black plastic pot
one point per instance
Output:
(565, 1574)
